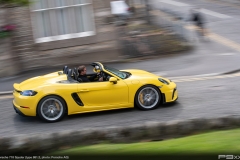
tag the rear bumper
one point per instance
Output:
(24, 105)
(18, 111)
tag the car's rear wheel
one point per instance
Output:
(51, 109)
(148, 97)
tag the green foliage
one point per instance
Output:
(223, 142)
(15, 2)
(4, 34)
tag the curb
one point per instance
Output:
(151, 131)
(6, 93)
(232, 72)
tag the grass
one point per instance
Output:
(207, 143)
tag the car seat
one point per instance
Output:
(65, 69)
(75, 73)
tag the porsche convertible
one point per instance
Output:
(55, 95)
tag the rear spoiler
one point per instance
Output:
(16, 87)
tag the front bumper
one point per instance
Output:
(170, 96)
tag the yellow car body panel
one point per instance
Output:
(96, 96)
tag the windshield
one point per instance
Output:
(116, 72)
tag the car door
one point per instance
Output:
(103, 95)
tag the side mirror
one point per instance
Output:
(113, 79)
(94, 70)
(97, 67)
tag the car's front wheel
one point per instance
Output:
(148, 97)
(51, 109)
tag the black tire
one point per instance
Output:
(155, 104)
(51, 108)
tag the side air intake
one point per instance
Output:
(77, 99)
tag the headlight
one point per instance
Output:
(163, 81)
(28, 93)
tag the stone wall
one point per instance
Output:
(23, 45)
(86, 54)
(7, 67)
(27, 54)
(19, 48)
(101, 4)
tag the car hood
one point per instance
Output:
(140, 73)
(38, 81)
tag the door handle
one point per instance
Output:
(84, 90)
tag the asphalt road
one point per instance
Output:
(197, 99)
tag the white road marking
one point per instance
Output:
(207, 78)
(6, 92)
(185, 77)
(195, 76)
(215, 14)
(175, 3)
(227, 54)
(6, 97)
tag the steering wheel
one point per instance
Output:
(105, 76)
(100, 75)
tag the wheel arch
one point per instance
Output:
(161, 94)
(52, 95)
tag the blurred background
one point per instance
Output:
(177, 39)
(47, 33)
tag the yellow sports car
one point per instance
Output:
(61, 93)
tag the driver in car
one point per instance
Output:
(82, 70)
